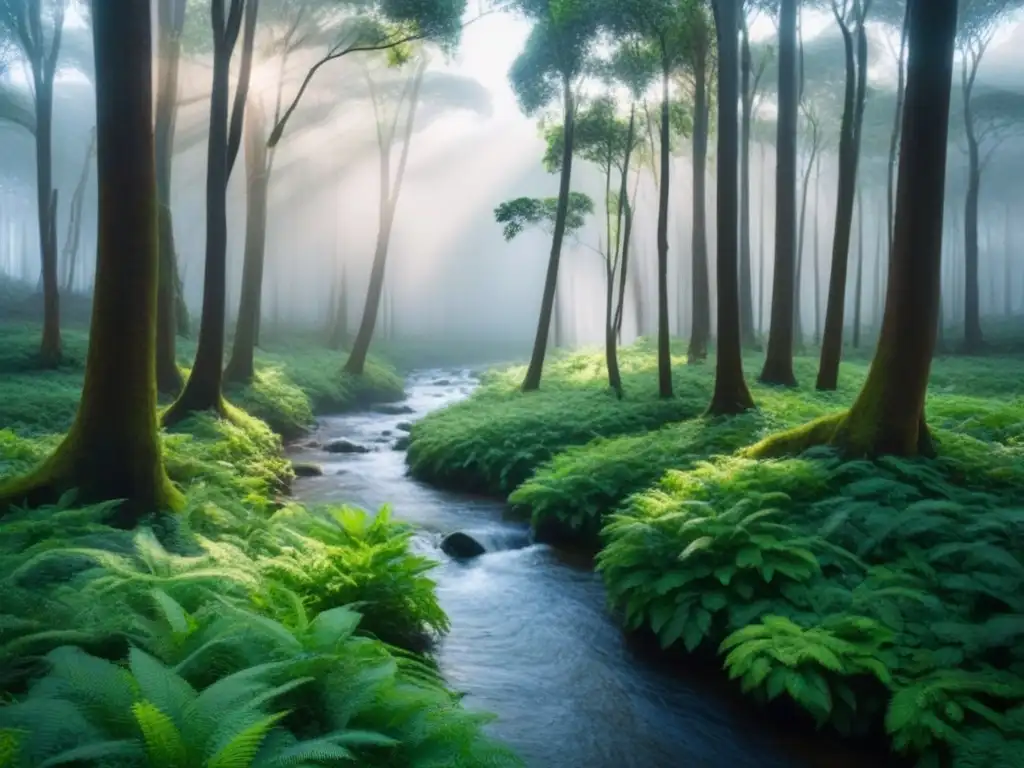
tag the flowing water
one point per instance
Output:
(530, 637)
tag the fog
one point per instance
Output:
(450, 274)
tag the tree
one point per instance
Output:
(554, 59)
(23, 20)
(887, 416)
(894, 13)
(171, 311)
(203, 390)
(851, 16)
(778, 363)
(979, 20)
(607, 140)
(671, 27)
(731, 394)
(750, 81)
(112, 450)
(699, 62)
(389, 193)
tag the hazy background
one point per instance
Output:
(449, 271)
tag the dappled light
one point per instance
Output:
(497, 383)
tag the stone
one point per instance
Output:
(341, 445)
(306, 469)
(401, 443)
(461, 546)
(404, 426)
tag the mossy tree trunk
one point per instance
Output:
(778, 364)
(888, 414)
(113, 448)
(389, 194)
(731, 394)
(856, 52)
(170, 22)
(241, 366)
(536, 367)
(700, 325)
(203, 390)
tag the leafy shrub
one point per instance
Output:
(813, 665)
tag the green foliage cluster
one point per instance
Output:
(241, 631)
(226, 635)
(854, 587)
(494, 440)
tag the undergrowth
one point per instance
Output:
(243, 631)
(867, 592)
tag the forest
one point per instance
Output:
(556, 384)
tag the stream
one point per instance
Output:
(531, 639)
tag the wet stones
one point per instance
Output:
(306, 469)
(393, 409)
(461, 546)
(341, 445)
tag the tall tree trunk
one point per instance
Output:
(241, 366)
(664, 333)
(858, 291)
(974, 340)
(610, 347)
(171, 21)
(43, 62)
(856, 47)
(760, 245)
(339, 328)
(112, 450)
(888, 414)
(533, 373)
(746, 283)
(203, 390)
(817, 254)
(624, 225)
(731, 394)
(894, 141)
(700, 327)
(389, 203)
(778, 364)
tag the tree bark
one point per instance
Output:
(533, 373)
(856, 48)
(171, 21)
(798, 324)
(112, 450)
(241, 366)
(731, 395)
(746, 283)
(203, 390)
(778, 364)
(389, 203)
(888, 414)
(700, 326)
(760, 246)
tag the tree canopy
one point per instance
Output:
(523, 212)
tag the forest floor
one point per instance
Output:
(253, 630)
(878, 596)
